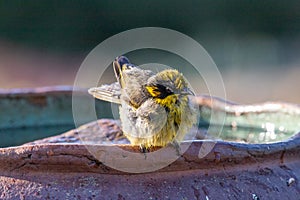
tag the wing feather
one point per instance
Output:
(110, 93)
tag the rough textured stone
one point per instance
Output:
(67, 166)
(230, 170)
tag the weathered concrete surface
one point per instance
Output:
(103, 131)
(45, 106)
(66, 167)
(229, 171)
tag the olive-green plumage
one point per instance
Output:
(156, 109)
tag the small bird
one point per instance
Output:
(155, 108)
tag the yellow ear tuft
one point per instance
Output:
(153, 91)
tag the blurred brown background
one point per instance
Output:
(255, 44)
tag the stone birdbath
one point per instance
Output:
(255, 155)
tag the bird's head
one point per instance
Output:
(168, 87)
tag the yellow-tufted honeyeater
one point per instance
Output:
(156, 109)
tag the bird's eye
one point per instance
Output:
(159, 91)
(164, 91)
(168, 90)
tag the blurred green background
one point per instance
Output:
(255, 44)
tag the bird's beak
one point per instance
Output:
(187, 91)
(117, 68)
(118, 72)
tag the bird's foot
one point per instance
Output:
(176, 146)
(144, 150)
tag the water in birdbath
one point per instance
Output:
(31, 115)
(262, 123)
(21, 135)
